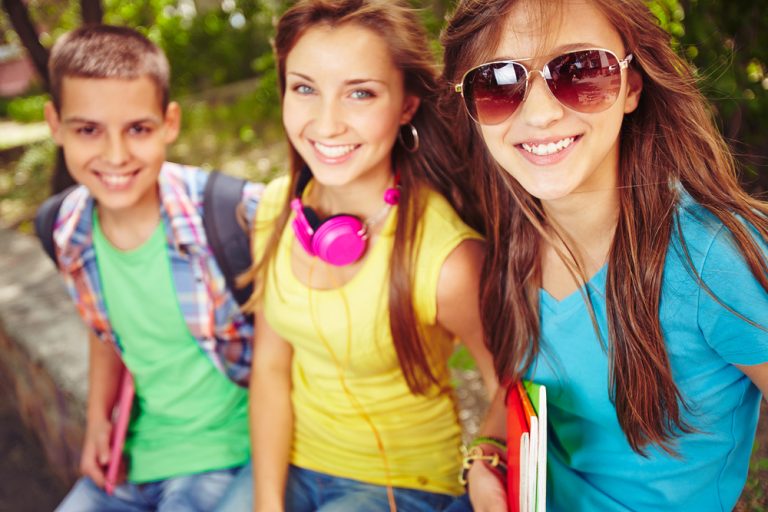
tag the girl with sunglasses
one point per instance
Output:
(628, 271)
(365, 273)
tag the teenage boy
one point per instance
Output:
(132, 250)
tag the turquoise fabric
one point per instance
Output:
(591, 466)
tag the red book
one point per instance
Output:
(526, 447)
(119, 430)
(517, 433)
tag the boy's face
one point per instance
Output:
(114, 134)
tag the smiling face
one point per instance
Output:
(114, 135)
(344, 104)
(552, 150)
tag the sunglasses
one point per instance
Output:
(586, 81)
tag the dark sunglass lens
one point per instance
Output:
(587, 81)
(494, 91)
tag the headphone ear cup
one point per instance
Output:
(301, 226)
(340, 240)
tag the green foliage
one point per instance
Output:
(207, 47)
(26, 109)
(728, 43)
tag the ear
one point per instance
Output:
(172, 122)
(53, 120)
(410, 106)
(634, 88)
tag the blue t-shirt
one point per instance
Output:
(591, 465)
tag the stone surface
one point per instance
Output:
(43, 351)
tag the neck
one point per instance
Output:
(364, 197)
(128, 228)
(588, 221)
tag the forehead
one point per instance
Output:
(96, 98)
(542, 29)
(345, 51)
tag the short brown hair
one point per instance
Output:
(107, 51)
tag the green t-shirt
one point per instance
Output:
(189, 417)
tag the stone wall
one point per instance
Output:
(43, 351)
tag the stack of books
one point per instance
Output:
(526, 447)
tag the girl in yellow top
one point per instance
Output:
(358, 313)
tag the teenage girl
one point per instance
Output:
(366, 274)
(627, 270)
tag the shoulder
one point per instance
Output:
(708, 242)
(273, 198)
(187, 180)
(440, 219)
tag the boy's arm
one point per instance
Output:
(104, 371)
(271, 416)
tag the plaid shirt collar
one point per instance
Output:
(184, 227)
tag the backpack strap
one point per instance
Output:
(45, 220)
(228, 240)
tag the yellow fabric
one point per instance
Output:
(421, 435)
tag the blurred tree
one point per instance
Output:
(215, 42)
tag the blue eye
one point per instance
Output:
(361, 94)
(303, 89)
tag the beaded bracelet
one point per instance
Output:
(475, 453)
(492, 441)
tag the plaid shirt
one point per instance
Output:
(211, 313)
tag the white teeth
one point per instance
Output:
(115, 180)
(548, 149)
(334, 151)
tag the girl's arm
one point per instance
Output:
(486, 492)
(758, 374)
(458, 305)
(271, 416)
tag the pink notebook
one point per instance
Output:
(119, 429)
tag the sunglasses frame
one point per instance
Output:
(544, 72)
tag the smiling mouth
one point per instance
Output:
(116, 180)
(550, 148)
(334, 151)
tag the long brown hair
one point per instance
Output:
(671, 140)
(435, 164)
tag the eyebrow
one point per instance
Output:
(557, 50)
(353, 81)
(77, 120)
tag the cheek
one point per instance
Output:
(378, 125)
(494, 137)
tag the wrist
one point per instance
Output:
(490, 452)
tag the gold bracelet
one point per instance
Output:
(474, 454)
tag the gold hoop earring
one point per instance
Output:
(414, 147)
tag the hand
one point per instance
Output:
(486, 492)
(95, 457)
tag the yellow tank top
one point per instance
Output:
(420, 434)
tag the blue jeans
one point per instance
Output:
(460, 504)
(311, 491)
(190, 493)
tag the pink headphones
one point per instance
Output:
(340, 239)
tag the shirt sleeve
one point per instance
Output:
(252, 193)
(734, 316)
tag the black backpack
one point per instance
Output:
(228, 241)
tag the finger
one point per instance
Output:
(102, 447)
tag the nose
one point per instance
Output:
(116, 150)
(540, 108)
(329, 120)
